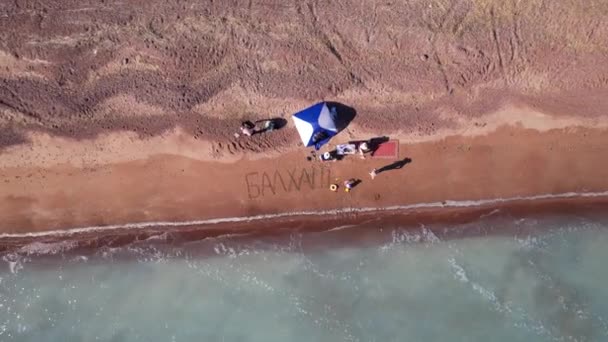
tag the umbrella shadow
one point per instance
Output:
(344, 114)
(394, 166)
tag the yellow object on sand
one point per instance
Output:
(333, 187)
(347, 189)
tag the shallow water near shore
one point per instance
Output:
(496, 279)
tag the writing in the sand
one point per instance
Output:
(297, 179)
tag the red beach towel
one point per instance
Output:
(387, 150)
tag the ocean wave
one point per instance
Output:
(521, 319)
(400, 237)
(37, 248)
(334, 229)
(15, 262)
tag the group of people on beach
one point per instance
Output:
(333, 156)
(361, 148)
(249, 128)
(364, 148)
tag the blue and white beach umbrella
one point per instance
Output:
(316, 124)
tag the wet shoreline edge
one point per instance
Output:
(260, 226)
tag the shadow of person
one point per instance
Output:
(394, 166)
(268, 125)
(343, 114)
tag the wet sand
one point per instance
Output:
(362, 227)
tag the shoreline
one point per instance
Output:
(452, 213)
(447, 204)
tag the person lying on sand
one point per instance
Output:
(363, 149)
(248, 128)
(350, 184)
(329, 156)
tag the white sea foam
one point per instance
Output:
(444, 204)
(47, 248)
(221, 249)
(520, 317)
(529, 242)
(341, 228)
(459, 274)
(15, 262)
(493, 212)
(400, 237)
(160, 237)
(429, 236)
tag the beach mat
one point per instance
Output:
(387, 150)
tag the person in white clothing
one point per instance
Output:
(363, 149)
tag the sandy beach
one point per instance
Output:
(129, 119)
(509, 163)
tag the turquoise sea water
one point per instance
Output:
(529, 280)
